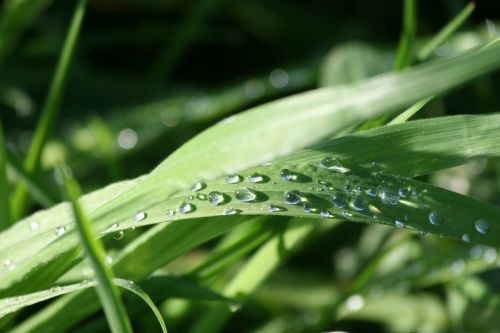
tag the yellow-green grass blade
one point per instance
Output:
(50, 109)
(94, 250)
(446, 31)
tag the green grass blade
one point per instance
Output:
(39, 190)
(5, 216)
(446, 31)
(16, 303)
(50, 109)
(108, 293)
(406, 43)
(410, 112)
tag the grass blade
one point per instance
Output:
(408, 113)
(406, 43)
(5, 217)
(50, 109)
(108, 293)
(446, 31)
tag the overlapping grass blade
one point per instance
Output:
(51, 107)
(109, 295)
(446, 31)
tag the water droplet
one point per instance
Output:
(7, 262)
(355, 302)
(231, 211)
(404, 191)
(333, 163)
(55, 289)
(466, 238)
(140, 216)
(345, 213)
(308, 208)
(256, 178)
(216, 198)
(415, 192)
(60, 230)
(325, 214)
(198, 187)
(170, 212)
(388, 196)
(339, 199)
(186, 207)
(399, 224)
(119, 235)
(34, 225)
(201, 196)
(286, 174)
(293, 197)
(359, 203)
(234, 179)
(371, 190)
(482, 226)
(434, 218)
(190, 197)
(109, 260)
(245, 195)
(274, 209)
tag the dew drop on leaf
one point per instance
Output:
(234, 179)
(170, 213)
(388, 196)
(231, 211)
(245, 195)
(359, 202)
(288, 175)
(482, 226)
(60, 230)
(119, 235)
(274, 209)
(256, 178)
(34, 225)
(333, 163)
(201, 196)
(186, 207)
(216, 198)
(198, 187)
(399, 224)
(466, 238)
(292, 197)
(140, 216)
(435, 218)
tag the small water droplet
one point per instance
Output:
(7, 262)
(466, 238)
(388, 196)
(234, 306)
(355, 302)
(245, 195)
(198, 187)
(415, 192)
(190, 197)
(274, 209)
(216, 198)
(308, 208)
(293, 197)
(34, 225)
(55, 289)
(119, 235)
(371, 191)
(399, 224)
(325, 214)
(186, 207)
(201, 196)
(109, 260)
(288, 175)
(256, 178)
(482, 226)
(231, 211)
(170, 212)
(404, 191)
(234, 179)
(60, 230)
(359, 202)
(435, 218)
(333, 163)
(140, 216)
(339, 199)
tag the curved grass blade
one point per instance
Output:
(446, 31)
(51, 107)
(408, 113)
(418, 147)
(406, 43)
(5, 216)
(9, 305)
(109, 295)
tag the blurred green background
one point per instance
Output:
(148, 75)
